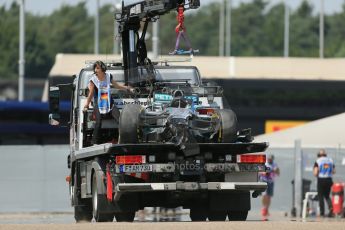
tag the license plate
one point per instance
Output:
(135, 168)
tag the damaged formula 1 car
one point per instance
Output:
(180, 114)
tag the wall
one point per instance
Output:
(32, 178)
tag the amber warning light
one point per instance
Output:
(252, 158)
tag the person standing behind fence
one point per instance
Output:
(324, 169)
(268, 176)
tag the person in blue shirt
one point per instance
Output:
(324, 169)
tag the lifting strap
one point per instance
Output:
(180, 30)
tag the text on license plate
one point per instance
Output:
(136, 168)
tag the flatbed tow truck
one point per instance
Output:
(175, 145)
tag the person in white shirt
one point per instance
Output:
(99, 92)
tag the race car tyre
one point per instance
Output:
(129, 123)
(228, 126)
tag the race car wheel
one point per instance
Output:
(228, 132)
(129, 124)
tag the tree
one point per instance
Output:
(38, 62)
(304, 35)
(273, 29)
(9, 37)
(335, 34)
(70, 30)
(247, 29)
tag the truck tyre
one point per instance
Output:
(83, 213)
(129, 124)
(125, 216)
(228, 132)
(197, 214)
(97, 201)
(217, 215)
(82, 210)
(237, 215)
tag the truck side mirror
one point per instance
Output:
(54, 103)
(57, 117)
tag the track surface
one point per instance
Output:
(144, 221)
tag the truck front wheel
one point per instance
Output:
(82, 209)
(83, 213)
(97, 201)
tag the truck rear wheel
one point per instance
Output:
(228, 132)
(217, 215)
(97, 201)
(197, 214)
(237, 215)
(125, 216)
(129, 124)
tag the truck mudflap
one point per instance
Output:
(121, 188)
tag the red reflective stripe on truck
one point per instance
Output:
(252, 158)
(131, 159)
